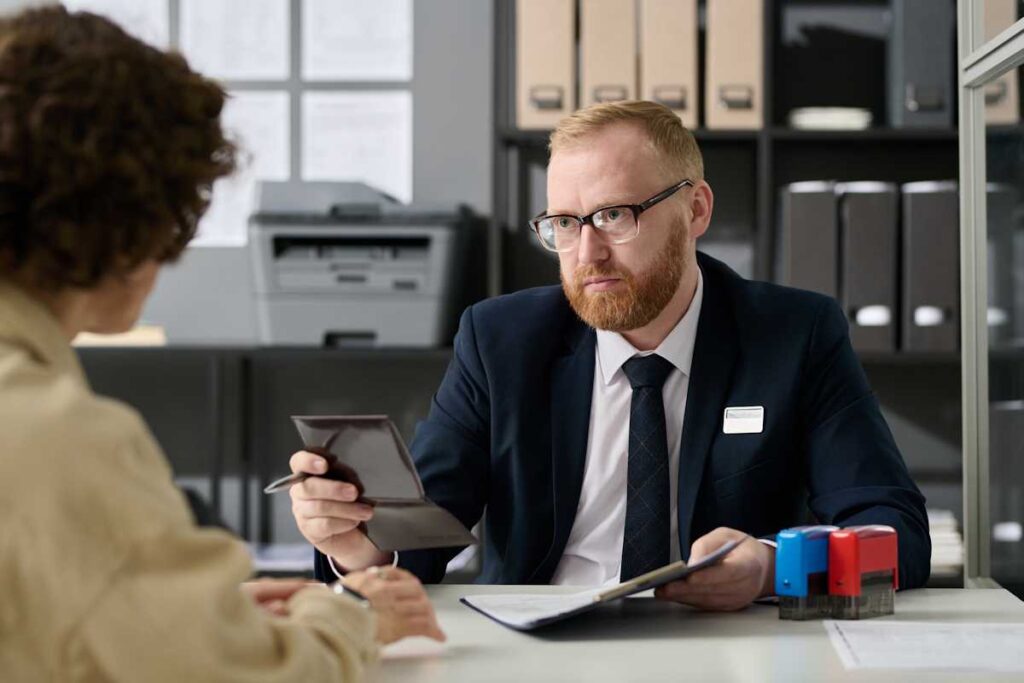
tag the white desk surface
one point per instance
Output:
(642, 639)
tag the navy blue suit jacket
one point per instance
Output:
(507, 429)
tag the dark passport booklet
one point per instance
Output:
(368, 451)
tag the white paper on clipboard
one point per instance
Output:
(529, 611)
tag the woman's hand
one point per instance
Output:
(402, 606)
(273, 594)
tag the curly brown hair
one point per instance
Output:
(108, 149)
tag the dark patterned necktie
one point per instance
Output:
(645, 544)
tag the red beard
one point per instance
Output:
(639, 299)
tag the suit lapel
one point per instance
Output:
(714, 356)
(572, 380)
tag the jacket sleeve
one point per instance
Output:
(452, 447)
(855, 473)
(451, 451)
(169, 607)
(174, 612)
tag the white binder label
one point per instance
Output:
(743, 420)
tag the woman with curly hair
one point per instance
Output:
(108, 151)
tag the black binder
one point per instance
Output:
(931, 266)
(921, 47)
(869, 212)
(808, 255)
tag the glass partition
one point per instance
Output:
(991, 50)
(1004, 317)
(997, 16)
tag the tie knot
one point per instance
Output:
(647, 371)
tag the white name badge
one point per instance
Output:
(743, 420)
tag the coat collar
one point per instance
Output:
(714, 358)
(572, 381)
(27, 324)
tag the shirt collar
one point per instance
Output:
(677, 348)
(26, 322)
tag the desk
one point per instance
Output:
(648, 640)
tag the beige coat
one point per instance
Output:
(103, 574)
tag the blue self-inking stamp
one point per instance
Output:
(801, 572)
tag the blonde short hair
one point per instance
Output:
(668, 136)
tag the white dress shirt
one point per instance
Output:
(593, 553)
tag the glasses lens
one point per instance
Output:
(559, 233)
(617, 222)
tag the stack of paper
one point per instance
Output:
(947, 543)
(928, 645)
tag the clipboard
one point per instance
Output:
(368, 451)
(529, 611)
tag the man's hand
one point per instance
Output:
(328, 515)
(402, 606)
(744, 575)
(273, 594)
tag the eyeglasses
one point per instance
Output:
(616, 224)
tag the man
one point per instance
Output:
(589, 420)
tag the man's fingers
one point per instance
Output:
(329, 508)
(722, 573)
(712, 541)
(321, 529)
(729, 585)
(684, 591)
(307, 462)
(326, 489)
(686, 588)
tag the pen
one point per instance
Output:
(287, 482)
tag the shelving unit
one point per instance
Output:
(746, 168)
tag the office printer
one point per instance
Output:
(341, 264)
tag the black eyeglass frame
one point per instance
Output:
(636, 210)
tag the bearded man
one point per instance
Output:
(653, 407)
